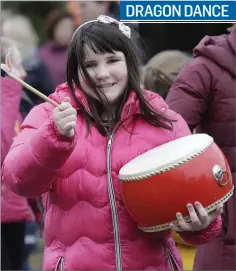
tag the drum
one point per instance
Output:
(161, 182)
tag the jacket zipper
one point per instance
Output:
(111, 193)
(60, 263)
(173, 264)
(113, 206)
(112, 199)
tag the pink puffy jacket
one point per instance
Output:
(14, 208)
(87, 226)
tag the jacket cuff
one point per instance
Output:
(50, 148)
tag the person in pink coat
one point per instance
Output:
(71, 154)
(15, 210)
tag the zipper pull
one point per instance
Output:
(109, 142)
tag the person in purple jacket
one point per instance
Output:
(204, 93)
(60, 27)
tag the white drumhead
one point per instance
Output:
(165, 155)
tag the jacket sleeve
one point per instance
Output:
(181, 128)
(205, 236)
(10, 103)
(190, 93)
(36, 155)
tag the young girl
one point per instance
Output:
(72, 155)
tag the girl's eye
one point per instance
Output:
(89, 65)
(112, 60)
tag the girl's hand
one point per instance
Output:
(65, 117)
(199, 220)
(13, 63)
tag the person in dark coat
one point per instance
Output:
(204, 93)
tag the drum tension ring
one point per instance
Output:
(218, 173)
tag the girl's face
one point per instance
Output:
(108, 71)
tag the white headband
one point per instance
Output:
(108, 20)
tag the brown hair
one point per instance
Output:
(162, 69)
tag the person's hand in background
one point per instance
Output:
(13, 63)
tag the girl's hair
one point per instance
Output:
(106, 38)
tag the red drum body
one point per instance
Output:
(161, 182)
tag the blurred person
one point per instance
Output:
(20, 29)
(158, 76)
(162, 69)
(60, 27)
(16, 211)
(90, 10)
(5, 14)
(101, 112)
(204, 93)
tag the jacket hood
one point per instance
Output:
(219, 49)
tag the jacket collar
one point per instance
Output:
(131, 106)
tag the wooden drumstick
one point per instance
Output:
(30, 88)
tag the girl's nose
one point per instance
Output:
(102, 72)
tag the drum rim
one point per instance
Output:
(150, 173)
(209, 209)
